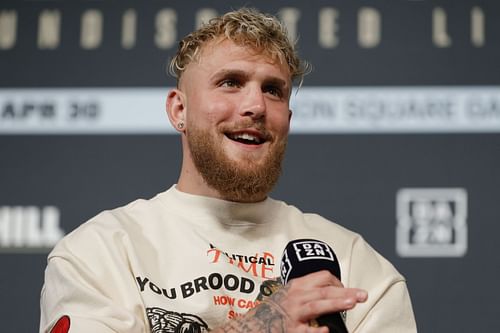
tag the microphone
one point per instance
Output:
(304, 256)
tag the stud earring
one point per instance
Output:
(180, 125)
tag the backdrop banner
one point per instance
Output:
(395, 133)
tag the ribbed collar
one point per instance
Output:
(225, 212)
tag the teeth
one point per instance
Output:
(246, 136)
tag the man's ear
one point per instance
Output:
(176, 109)
(290, 115)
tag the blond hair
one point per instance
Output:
(245, 27)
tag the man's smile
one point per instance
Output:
(250, 137)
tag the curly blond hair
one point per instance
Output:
(246, 27)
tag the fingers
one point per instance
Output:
(317, 279)
(306, 328)
(331, 292)
(316, 294)
(321, 329)
(334, 300)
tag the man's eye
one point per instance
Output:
(230, 83)
(275, 91)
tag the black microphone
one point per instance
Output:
(304, 256)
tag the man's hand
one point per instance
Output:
(292, 307)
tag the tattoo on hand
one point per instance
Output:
(268, 317)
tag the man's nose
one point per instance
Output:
(254, 103)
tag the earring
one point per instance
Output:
(180, 125)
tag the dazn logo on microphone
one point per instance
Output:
(309, 250)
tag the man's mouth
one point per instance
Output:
(247, 138)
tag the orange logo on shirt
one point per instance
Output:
(62, 325)
(258, 265)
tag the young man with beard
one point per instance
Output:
(202, 255)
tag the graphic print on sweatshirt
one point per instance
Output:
(163, 321)
(230, 293)
(259, 265)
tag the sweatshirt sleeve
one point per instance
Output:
(392, 313)
(388, 308)
(88, 287)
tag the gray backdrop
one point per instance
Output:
(433, 191)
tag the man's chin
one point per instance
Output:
(247, 164)
(244, 156)
(235, 172)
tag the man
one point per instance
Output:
(204, 255)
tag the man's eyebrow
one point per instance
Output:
(276, 81)
(244, 75)
(230, 73)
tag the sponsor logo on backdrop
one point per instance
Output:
(29, 229)
(431, 222)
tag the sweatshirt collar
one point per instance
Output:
(226, 212)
